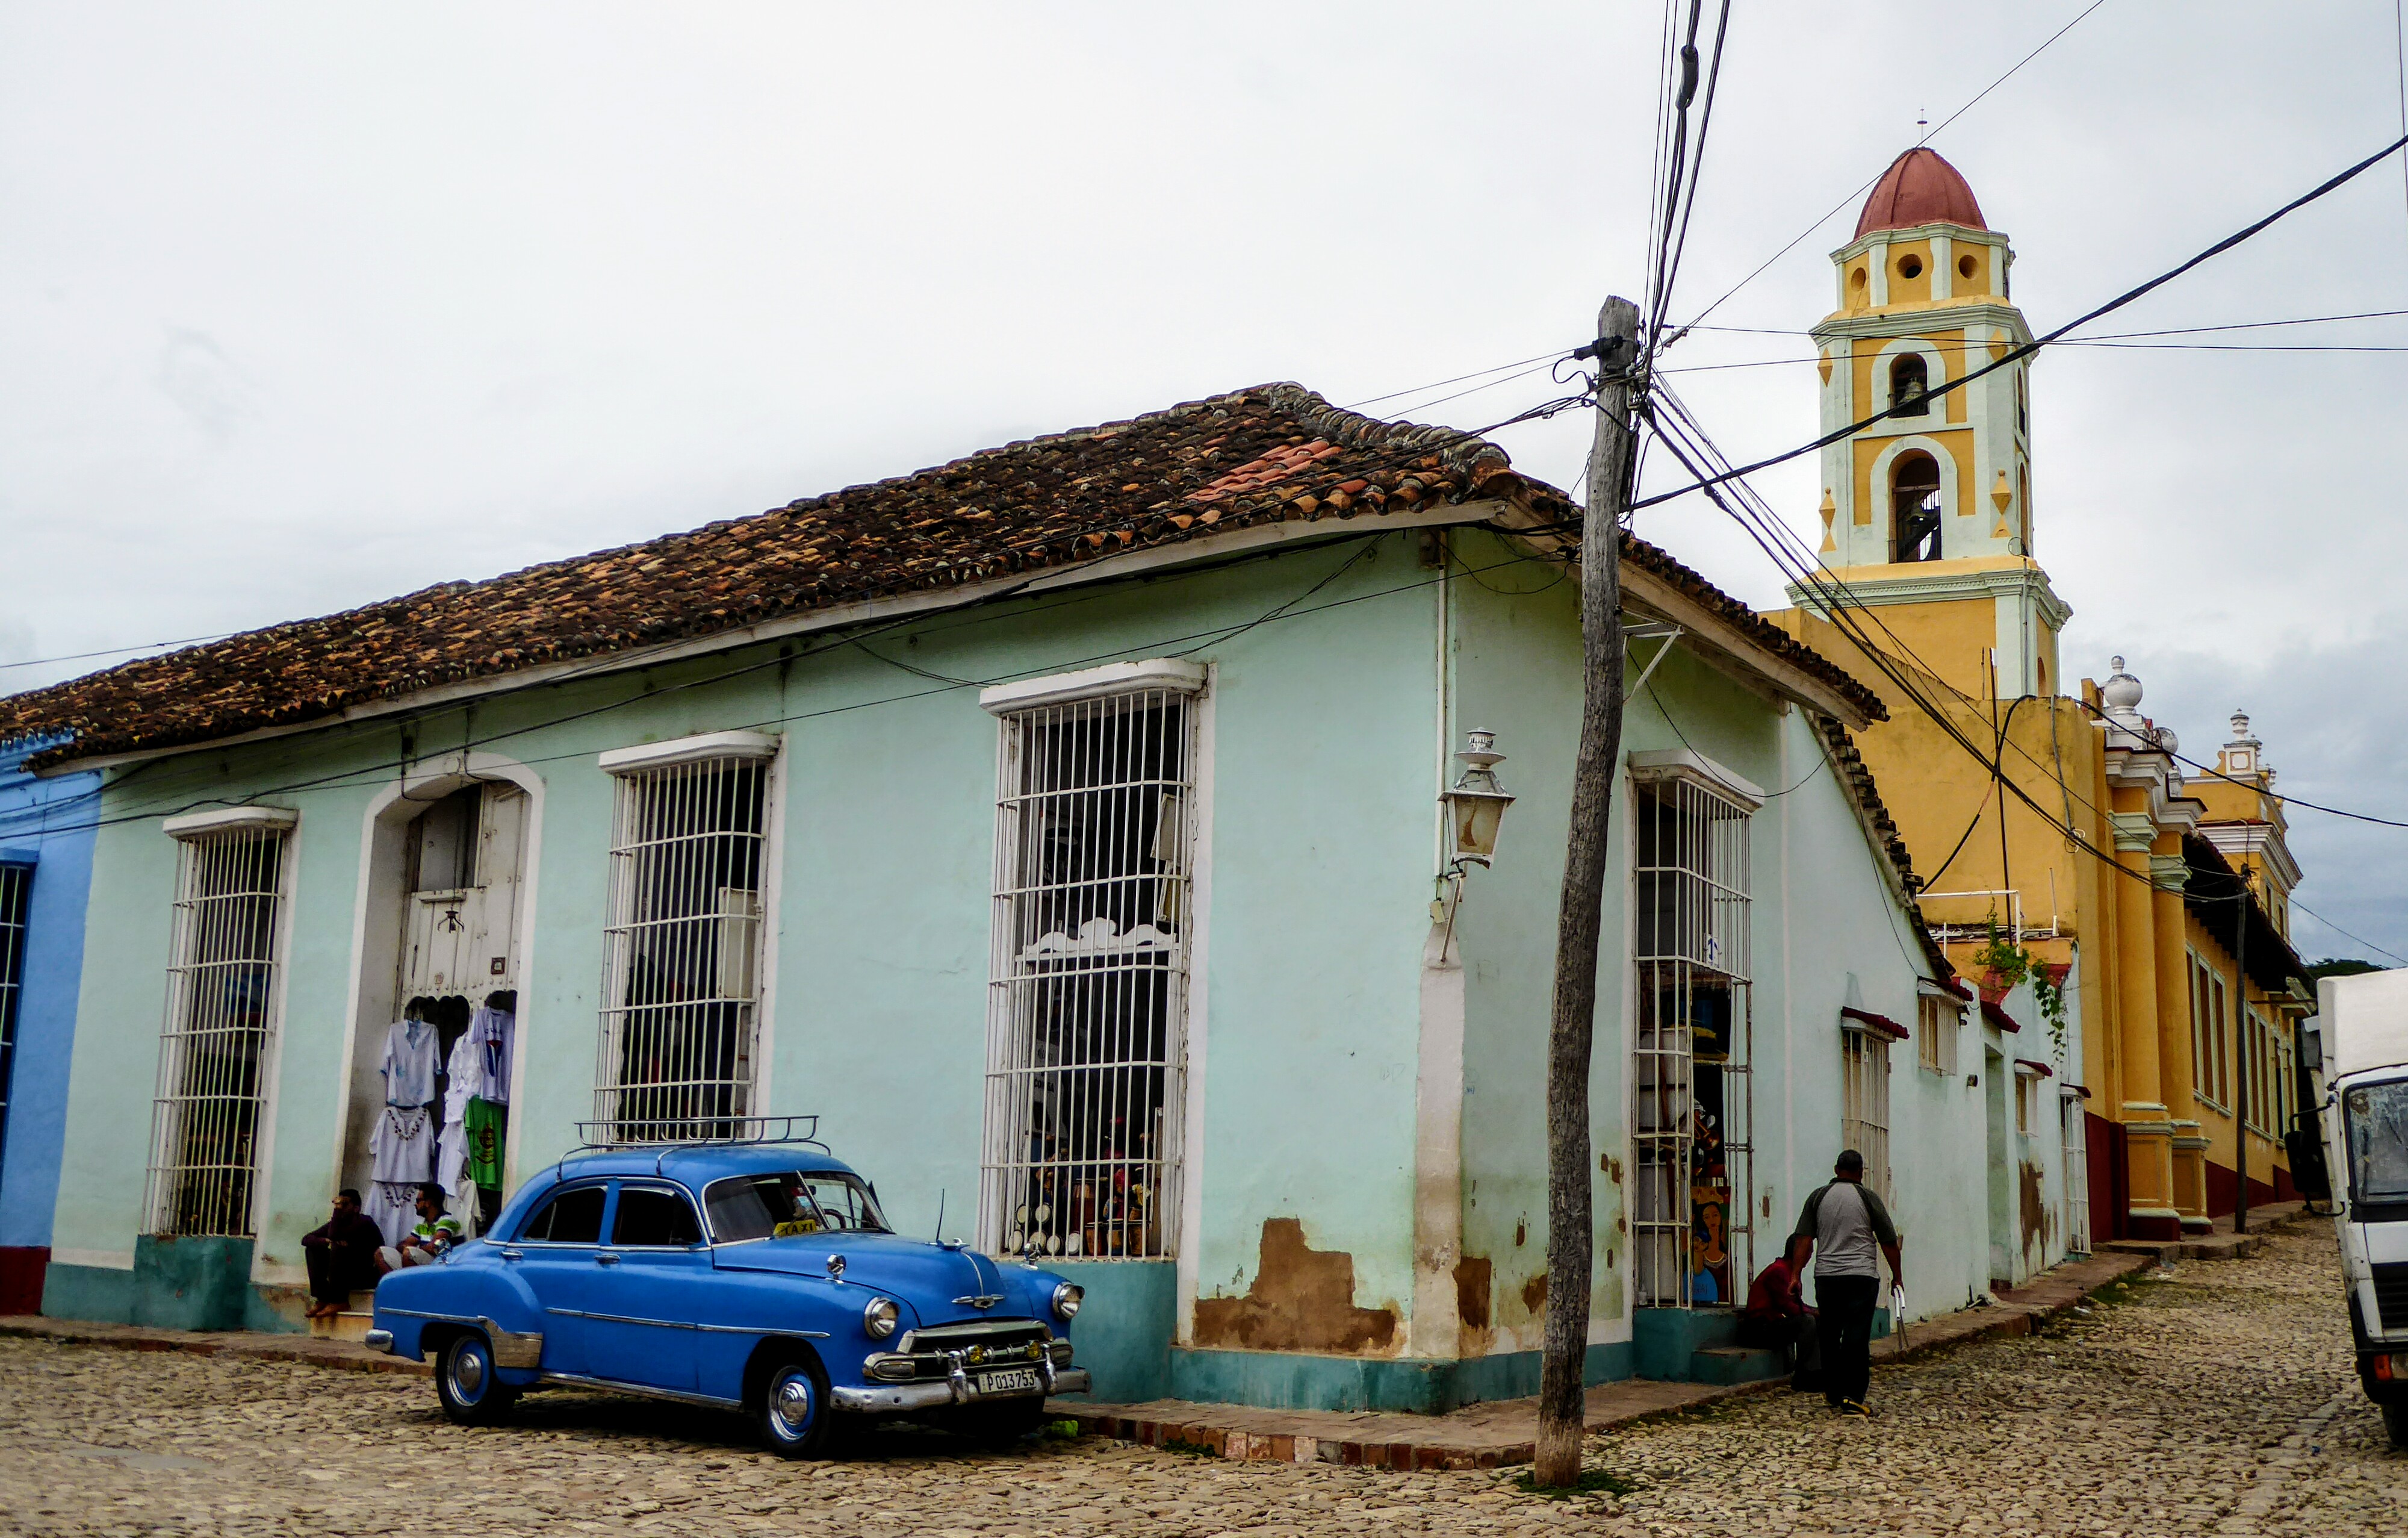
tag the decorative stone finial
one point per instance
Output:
(2125, 729)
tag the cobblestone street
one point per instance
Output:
(2220, 1401)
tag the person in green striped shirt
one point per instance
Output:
(437, 1231)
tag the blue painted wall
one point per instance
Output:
(49, 825)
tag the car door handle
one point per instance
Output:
(513, 1255)
(606, 1259)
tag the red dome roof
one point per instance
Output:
(1919, 187)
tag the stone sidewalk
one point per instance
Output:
(1479, 1436)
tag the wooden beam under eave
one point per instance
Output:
(1709, 636)
(1727, 649)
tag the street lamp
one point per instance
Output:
(1477, 804)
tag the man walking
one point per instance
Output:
(1845, 1221)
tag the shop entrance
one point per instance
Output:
(436, 1025)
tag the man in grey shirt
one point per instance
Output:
(1846, 1220)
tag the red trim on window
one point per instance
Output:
(2000, 1017)
(2041, 1069)
(1881, 1023)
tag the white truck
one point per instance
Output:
(2362, 1053)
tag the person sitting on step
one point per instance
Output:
(341, 1255)
(437, 1231)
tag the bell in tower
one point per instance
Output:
(1915, 507)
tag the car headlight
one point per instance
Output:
(1067, 1298)
(879, 1318)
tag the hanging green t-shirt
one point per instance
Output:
(483, 1119)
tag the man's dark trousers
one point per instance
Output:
(1847, 1326)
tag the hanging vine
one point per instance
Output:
(2006, 963)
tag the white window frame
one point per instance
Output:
(705, 1086)
(1940, 1017)
(1864, 1099)
(209, 1122)
(1088, 1019)
(1691, 926)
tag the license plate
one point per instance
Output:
(1015, 1380)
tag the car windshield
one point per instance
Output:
(2378, 1141)
(780, 1206)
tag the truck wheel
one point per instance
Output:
(465, 1381)
(2395, 1421)
(794, 1411)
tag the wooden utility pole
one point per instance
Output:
(1571, 1221)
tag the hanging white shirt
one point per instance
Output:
(410, 1056)
(402, 1147)
(463, 1073)
(491, 1030)
(395, 1210)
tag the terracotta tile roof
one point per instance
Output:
(1273, 454)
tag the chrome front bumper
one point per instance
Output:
(378, 1340)
(901, 1398)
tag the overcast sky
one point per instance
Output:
(301, 306)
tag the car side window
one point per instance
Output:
(572, 1217)
(653, 1218)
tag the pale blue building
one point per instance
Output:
(46, 826)
(1067, 827)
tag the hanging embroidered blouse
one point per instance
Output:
(409, 1057)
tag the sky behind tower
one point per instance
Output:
(307, 307)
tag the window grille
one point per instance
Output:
(15, 897)
(2077, 1175)
(1864, 1103)
(221, 1023)
(1938, 1018)
(1691, 1126)
(681, 1002)
(1087, 996)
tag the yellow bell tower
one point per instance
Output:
(1930, 505)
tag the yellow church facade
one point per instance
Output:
(2055, 830)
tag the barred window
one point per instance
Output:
(16, 898)
(1938, 1018)
(681, 947)
(1864, 1102)
(214, 1046)
(1087, 995)
(1691, 1124)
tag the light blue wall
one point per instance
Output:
(47, 823)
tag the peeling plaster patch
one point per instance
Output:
(2036, 1214)
(1302, 1300)
(1612, 1168)
(1521, 1233)
(1471, 1279)
(1534, 1295)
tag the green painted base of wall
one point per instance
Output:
(1123, 1334)
(92, 1294)
(1281, 1380)
(191, 1284)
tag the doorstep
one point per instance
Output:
(2219, 1243)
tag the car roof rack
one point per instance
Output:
(668, 1134)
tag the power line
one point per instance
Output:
(1440, 384)
(2017, 355)
(2167, 347)
(2105, 335)
(117, 651)
(2345, 933)
(1840, 206)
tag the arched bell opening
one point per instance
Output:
(1915, 507)
(1909, 386)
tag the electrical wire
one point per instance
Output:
(117, 651)
(2017, 355)
(1841, 205)
(2336, 928)
(2105, 335)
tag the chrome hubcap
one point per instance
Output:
(468, 1374)
(792, 1405)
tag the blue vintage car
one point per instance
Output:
(755, 1276)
